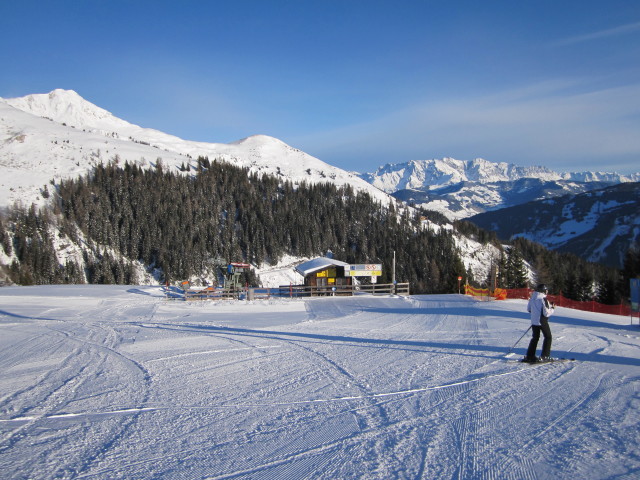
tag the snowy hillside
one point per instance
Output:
(117, 382)
(461, 188)
(34, 150)
(48, 137)
(465, 199)
(598, 226)
(56, 135)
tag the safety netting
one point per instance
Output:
(559, 300)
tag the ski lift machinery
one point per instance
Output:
(234, 272)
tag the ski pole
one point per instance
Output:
(514, 345)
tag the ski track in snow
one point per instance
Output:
(110, 382)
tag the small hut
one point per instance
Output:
(324, 272)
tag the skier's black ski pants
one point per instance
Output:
(546, 344)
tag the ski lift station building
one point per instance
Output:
(324, 272)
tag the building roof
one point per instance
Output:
(317, 264)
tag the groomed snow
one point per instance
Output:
(111, 382)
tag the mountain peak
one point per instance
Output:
(67, 107)
(56, 151)
(61, 93)
(258, 140)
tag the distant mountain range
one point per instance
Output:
(46, 137)
(462, 188)
(594, 215)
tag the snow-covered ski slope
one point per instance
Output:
(116, 382)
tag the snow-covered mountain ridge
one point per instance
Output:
(462, 188)
(59, 134)
(67, 107)
(435, 174)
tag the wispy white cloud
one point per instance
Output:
(610, 32)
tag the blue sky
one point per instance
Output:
(355, 83)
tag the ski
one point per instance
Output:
(550, 360)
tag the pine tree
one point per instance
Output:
(630, 268)
(516, 275)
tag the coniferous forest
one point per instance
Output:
(564, 273)
(188, 224)
(185, 225)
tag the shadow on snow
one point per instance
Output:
(448, 348)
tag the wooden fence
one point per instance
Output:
(341, 290)
(288, 291)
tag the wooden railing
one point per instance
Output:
(286, 291)
(294, 291)
(214, 293)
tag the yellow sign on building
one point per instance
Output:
(330, 272)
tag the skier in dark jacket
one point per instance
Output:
(540, 310)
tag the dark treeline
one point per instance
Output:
(576, 278)
(36, 261)
(564, 273)
(186, 225)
